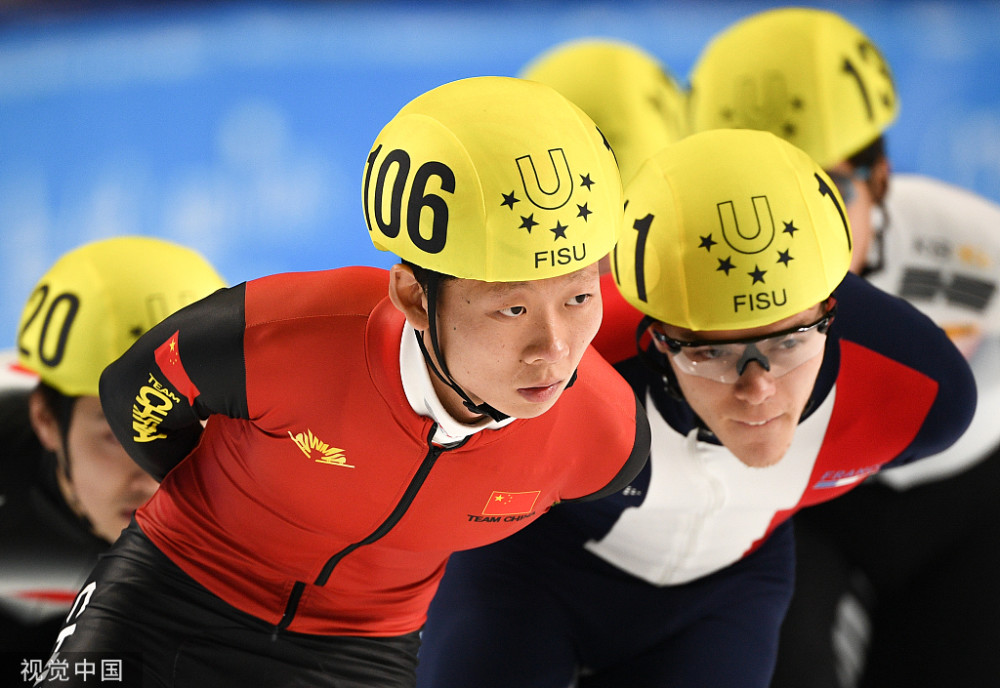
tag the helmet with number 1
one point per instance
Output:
(633, 99)
(494, 179)
(730, 229)
(96, 300)
(806, 75)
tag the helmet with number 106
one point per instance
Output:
(494, 179)
(96, 300)
(806, 75)
(730, 229)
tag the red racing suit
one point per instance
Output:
(314, 499)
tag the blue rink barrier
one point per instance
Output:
(241, 129)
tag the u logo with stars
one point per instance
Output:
(551, 189)
(557, 201)
(747, 251)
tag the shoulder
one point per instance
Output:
(21, 449)
(887, 346)
(344, 291)
(940, 249)
(887, 324)
(926, 201)
(932, 224)
(601, 385)
(599, 429)
(599, 407)
(891, 327)
(27, 480)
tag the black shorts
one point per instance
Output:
(141, 621)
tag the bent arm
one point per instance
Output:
(184, 369)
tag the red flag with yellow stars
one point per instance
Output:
(509, 503)
(168, 357)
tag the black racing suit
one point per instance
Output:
(46, 552)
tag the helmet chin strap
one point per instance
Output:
(443, 374)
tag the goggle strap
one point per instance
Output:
(664, 370)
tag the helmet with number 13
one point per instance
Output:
(814, 79)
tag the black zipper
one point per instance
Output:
(433, 453)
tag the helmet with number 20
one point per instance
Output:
(494, 179)
(96, 300)
(806, 75)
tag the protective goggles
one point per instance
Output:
(725, 360)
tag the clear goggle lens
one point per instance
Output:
(725, 361)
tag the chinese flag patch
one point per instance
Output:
(168, 357)
(509, 503)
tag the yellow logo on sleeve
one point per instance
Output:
(152, 403)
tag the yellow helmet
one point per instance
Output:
(96, 300)
(730, 229)
(495, 179)
(626, 91)
(806, 75)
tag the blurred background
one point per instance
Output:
(241, 128)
